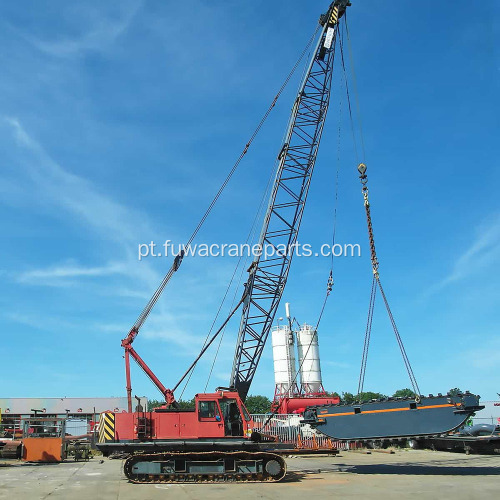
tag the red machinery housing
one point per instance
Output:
(216, 415)
(212, 442)
(298, 404)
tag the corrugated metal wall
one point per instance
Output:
(59, 406)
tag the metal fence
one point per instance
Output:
(289, 430)
(77, 426)
(486, 420)
(11, 428)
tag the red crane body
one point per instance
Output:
(130, 351)
(215, 415)
(214, 441)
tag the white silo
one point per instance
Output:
(309, 366)
(284, 361)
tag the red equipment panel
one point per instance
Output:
(299, 404)
(216, 415)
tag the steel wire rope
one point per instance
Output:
(152, 302)
(376, 278)
(149, 306)
(406, 360)
(368, 330)
(355, 143)
(355, 85)
(250, 237)
(330, 277)
(252, 232)
(334, 229)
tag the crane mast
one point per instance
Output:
(268, 273)
(217, 441)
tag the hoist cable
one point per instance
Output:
(329, 285)
(330, 281)
(376, 277)
(368, 330)
(211, 328)
(376, 282)
(208, 344)
(355, 143)
(413, 380)
(249, 238)
(354, 81)
(178, 259)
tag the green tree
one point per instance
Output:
(363, 397)
(333, 394)
(258, 404)
(348, 398)
(184, 404)
(368, 396)
(454, 391)
(404, 393)
(154, 403)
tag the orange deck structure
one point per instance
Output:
(43, 449)
(43, 439)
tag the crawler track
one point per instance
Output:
(205, 467)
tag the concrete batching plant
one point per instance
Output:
(288, 398)
(285, 373)
(309, 366)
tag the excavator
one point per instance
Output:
(216, 441)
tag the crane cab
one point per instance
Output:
(226, 410)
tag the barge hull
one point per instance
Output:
(428, 416)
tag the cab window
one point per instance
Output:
(245, 412)
(232, 417)
(208, 409)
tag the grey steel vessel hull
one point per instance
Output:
(393, 418)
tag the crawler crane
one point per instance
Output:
(214, 442)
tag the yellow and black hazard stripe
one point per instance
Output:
(107, 427)
(334, 16)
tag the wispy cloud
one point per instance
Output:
(50, 323)
(68, 271)
(484, 251)
(76, 195)
(487, 357)
(76, 199)
(103, 31)
(168, 327)
(482, 355)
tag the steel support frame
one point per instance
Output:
(131, 352)
(268, 274)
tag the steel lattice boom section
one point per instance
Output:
(268, 274)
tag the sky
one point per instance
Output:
(120, 120)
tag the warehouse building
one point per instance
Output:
(490, 414)
(81, 413)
